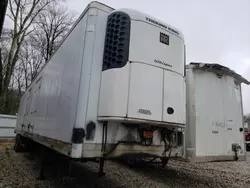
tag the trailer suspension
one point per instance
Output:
(43, 158)
(167, 135)
(101, 165)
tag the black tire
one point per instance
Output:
(131, 162)
(248, 148)
(18, 144)
(28, 145)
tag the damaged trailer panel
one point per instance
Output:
(215, 122)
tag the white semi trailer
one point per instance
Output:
(7, 126)
(114, 87)
(215, 124)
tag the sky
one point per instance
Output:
(216, 31)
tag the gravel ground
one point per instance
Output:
(17, 171)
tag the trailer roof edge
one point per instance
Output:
(217, 69)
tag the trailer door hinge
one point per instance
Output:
(92, 12)
(90, 28)
(78, 135)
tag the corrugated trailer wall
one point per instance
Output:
(214, 114)
(7, 126)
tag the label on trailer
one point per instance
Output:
(164, 38)
(147, 134)
(162, 25)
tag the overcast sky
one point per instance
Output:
(215, 30)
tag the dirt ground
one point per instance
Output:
(18, 170)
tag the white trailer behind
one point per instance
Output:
(114, 87)
(215, 124)
(7, 126)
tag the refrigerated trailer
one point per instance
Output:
(114, 87)
(215, 124)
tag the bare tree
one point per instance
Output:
(23, 13)
(50, 29)
(5, 42)
(18, 79)
(52, 26)
(31, 60)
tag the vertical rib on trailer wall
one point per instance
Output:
(91, 74)
(96, 70)
(84, 84)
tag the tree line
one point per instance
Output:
(38, 27)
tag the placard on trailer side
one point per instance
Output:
(50, 108)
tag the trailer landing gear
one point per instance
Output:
(164, 161)
(101, 165)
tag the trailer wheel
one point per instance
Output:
(247, 147)
(18, 141)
